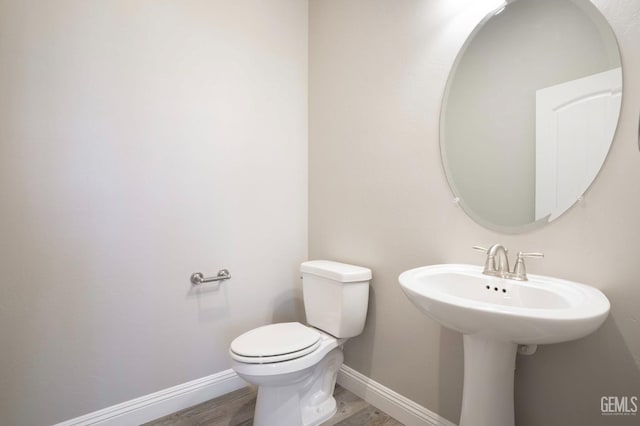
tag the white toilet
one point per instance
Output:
(294, 365)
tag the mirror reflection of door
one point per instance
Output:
(574, 121)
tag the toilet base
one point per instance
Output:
(302, 398)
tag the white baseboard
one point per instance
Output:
(397, 406)
(176, 398)
(161, 403)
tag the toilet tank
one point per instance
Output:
(336, 296)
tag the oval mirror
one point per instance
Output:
(529, 111)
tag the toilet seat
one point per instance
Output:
(275, 343)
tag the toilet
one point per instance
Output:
(294, 365)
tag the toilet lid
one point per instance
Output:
(276, 339)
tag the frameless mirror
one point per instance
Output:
(529, 111)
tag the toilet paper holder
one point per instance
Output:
(198, 278)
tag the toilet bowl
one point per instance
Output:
(298, 388)
(295, 366)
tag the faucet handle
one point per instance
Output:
(522, 255)
(489, 263)
(519, 270)
(486, 250)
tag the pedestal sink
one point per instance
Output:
(495, 315)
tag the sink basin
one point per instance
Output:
(495, 315)
(541, 310)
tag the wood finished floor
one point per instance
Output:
(236, 409)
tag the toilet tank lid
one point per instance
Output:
(336, 271)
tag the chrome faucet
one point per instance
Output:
(497, 263)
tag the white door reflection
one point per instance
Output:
(574, 124)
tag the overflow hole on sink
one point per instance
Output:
(495, 288)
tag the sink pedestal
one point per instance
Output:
(487, 396)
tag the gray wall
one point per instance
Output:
(141, 141)
(378, 197)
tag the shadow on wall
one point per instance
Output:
(213, 301)
(288, 307)
(450, 375)
(555, 367)
(366, 340)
